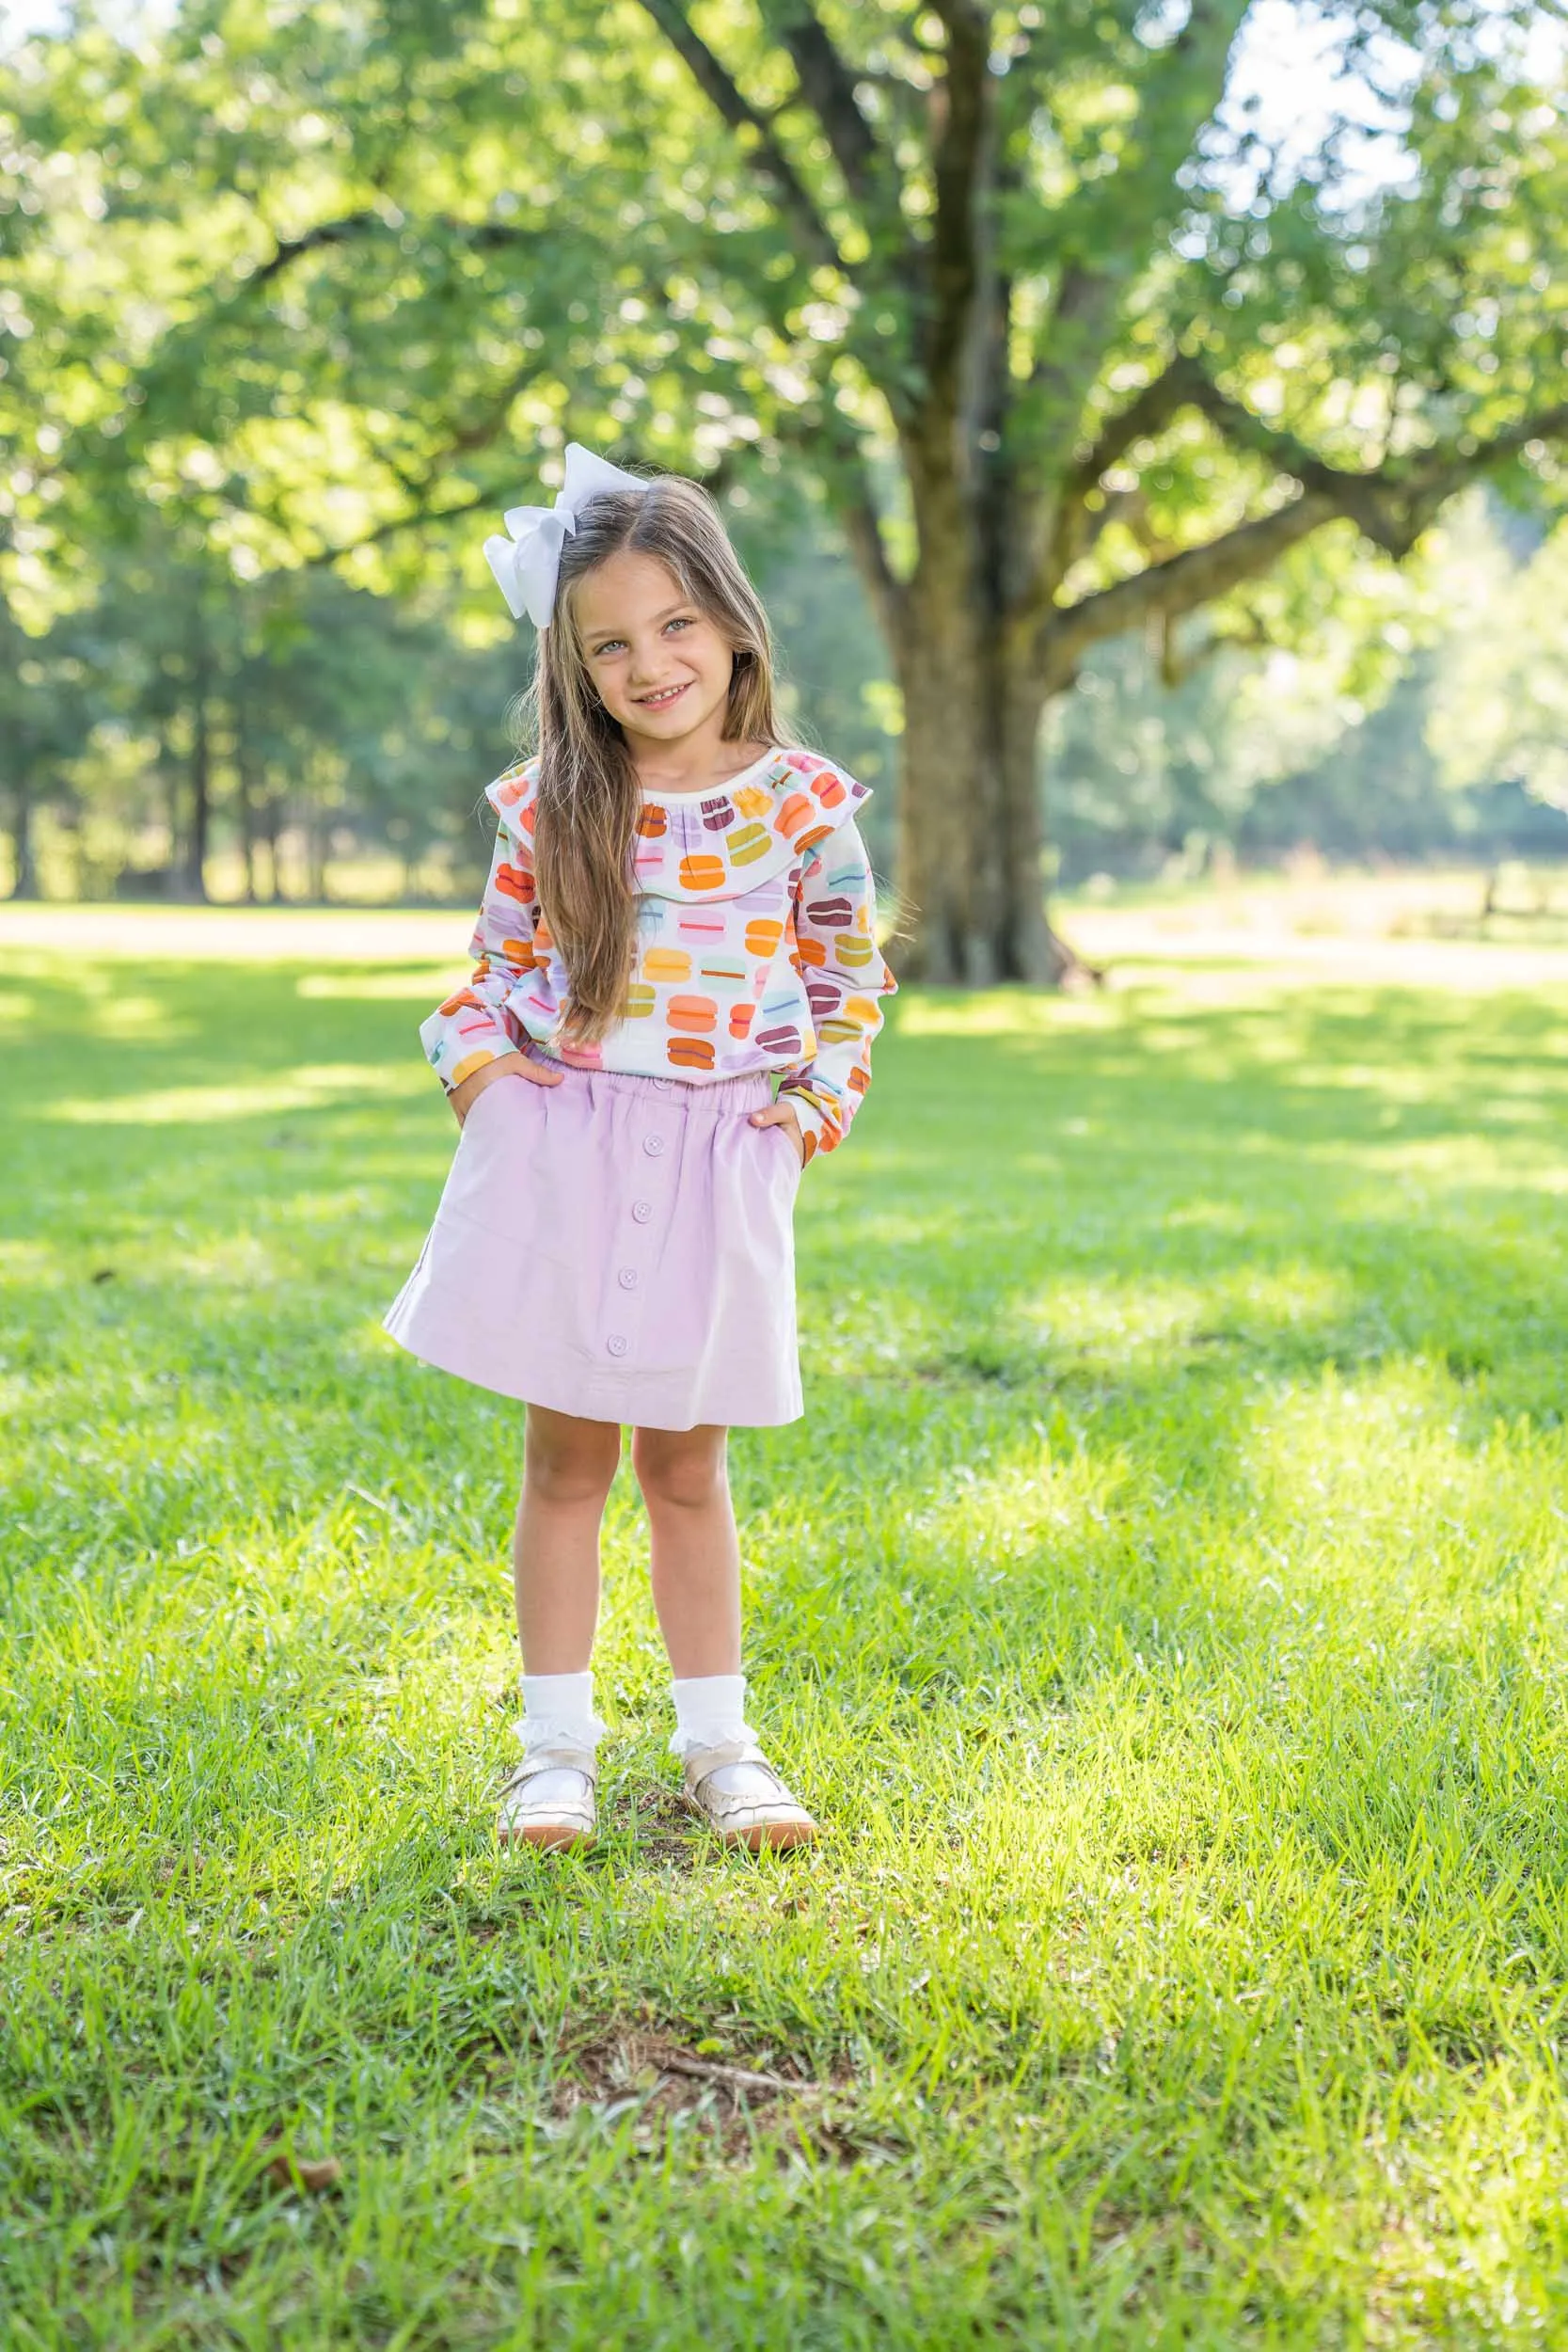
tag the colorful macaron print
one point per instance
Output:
(756, 945)
(666, 963)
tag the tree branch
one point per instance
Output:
(828, 88)
(857, 512)
(325, 233)
(486, 236)
(1391, 503)
(1148, 413)
(1180, 583)
(462, 441)
(1435, 475)
(1183, 84)
(1364, 497)
(840, 462)
(960, 111)
(415, 520)
(766, 156)
(1177, 667)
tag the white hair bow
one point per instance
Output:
(527, 560)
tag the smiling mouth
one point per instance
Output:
(662, 700)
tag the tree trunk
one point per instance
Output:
(165, 771)
(943, 790)
(246, 800)
(1024, 944)
(24, 877)
(949, 789)
(200, 768)
(1031, 946)
(315, 857)
(971, 833)
(272, 819)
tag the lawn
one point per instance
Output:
(1163, 1601)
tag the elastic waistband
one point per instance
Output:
(747, 1093)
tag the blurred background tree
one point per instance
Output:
(1050, 324)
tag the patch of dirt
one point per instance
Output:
(659, 2084)
(663, 1823)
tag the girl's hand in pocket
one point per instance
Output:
(780, 1114)
(462, 1098)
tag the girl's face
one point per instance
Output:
(659, 663)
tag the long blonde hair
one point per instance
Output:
(588, 800)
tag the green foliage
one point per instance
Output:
(333, 714)
(1054, 317)
(322, 274)
(1341, 703)
(1502, 703)
(1163, 1602)
(293, 705)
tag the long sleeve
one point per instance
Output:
(846, 977)
(473, 1026)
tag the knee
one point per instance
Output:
(577, 1466)
(678, 1476)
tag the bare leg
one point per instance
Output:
(695, 1551)
(568, 1465)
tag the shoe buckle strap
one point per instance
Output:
(554, 1759)
(707, 1761)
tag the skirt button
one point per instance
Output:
(642, 1211)
(628, 1278)
(616, 1344)
(652, 1145)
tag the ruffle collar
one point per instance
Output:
(725, 842)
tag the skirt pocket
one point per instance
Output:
(488, 1183)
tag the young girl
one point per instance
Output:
(678, 913)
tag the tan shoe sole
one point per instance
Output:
(548, 1838)
(770, 1837)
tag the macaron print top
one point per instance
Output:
(756, 945)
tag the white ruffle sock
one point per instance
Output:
(710, 1712)
(558, 1712)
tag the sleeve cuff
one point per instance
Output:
(454, 1057)
(813, 1117)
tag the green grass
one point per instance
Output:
(1164, 1602)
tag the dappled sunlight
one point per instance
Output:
(235, 934)
(1162, 1597)
(110, 1012)
(999, 1012)
(1492, 1094)
(305, 1089)
(423, 986)
(1113, 1323)
(856, 1333)
(1037, 1513)
(239, 1262)
(1210, 1216)
(20, 1260)
(1465, 1160)
(1390, 1452)
(890, 1227)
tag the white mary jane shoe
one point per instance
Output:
(550, 1802)
(759, 1811)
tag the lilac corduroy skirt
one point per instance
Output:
(617, 1246)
